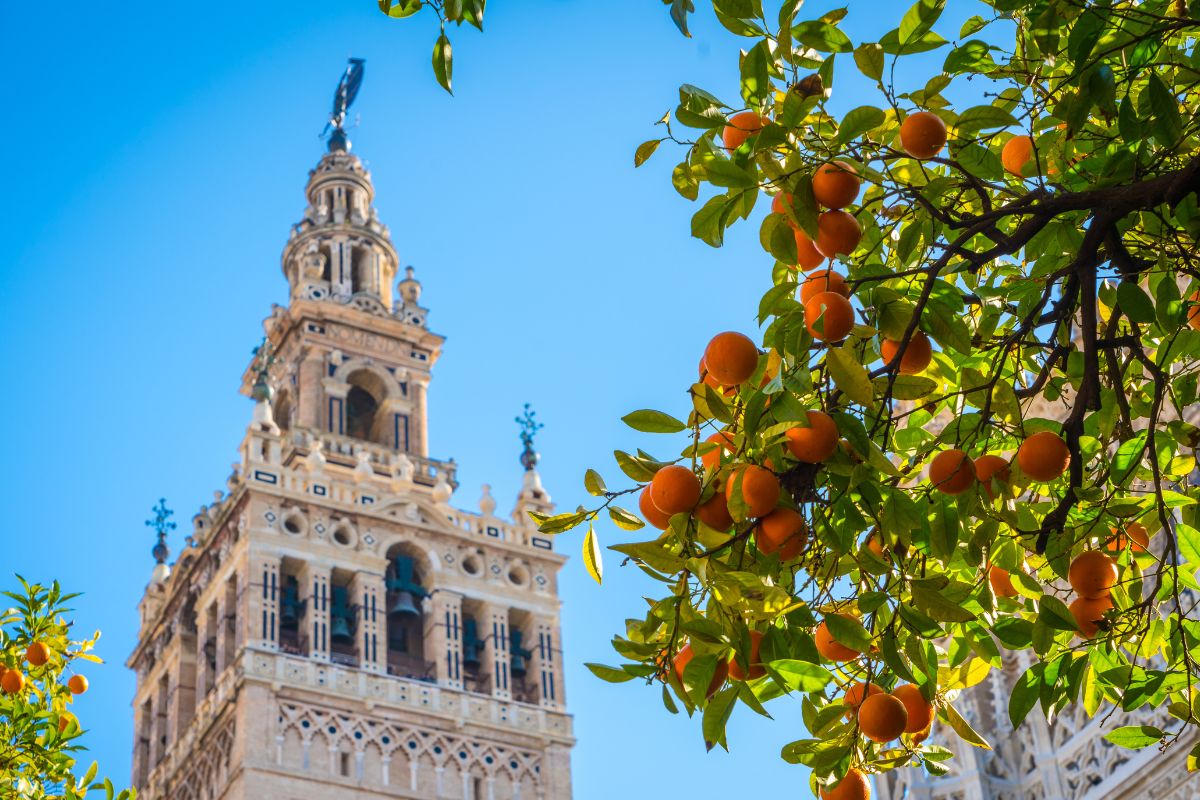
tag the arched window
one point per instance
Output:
(407, 585)
(363, 419)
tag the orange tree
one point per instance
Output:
(963, 429)
(38, 682)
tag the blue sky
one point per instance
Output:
(155, 160)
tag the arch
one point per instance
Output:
(366, 417)
(407, 580)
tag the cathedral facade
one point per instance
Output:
(334, 627)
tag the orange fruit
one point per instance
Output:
(759, 487)
(37, 654)
(714, 512)
(838, 233)
(1134, 537)
(807, 255)
(1002, 585)
(854, 786)
(952, 472)
(832, 314)
(650, 512)
(674, 489)
(1017, 156)
(882, 717)
(724, 442)
(824, 281)
(741, 127)
(835, 184)
(817, 442)
(782, 203)
(916, 356)
(923, 134)
(1193, 314)
(1043, 456)
(757, 670)
(855, 694)
(684, 657)
(1092, 574)
(920, 710)
(831, 648)
(13, 681)
(782, 531)
(731, 358)
(64, 720)
(874, 543)
(78, 684)
(1087, 611)
(989, 467)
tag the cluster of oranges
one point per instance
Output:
(1092, 575)
(37, 655)
(1042, 456)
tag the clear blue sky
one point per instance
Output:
(156, 155)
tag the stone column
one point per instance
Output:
(547, 662)
(308, 395)
(395, 413)
(263, 603)
(339, 267)
(315, 583)
(443, 637)
(418, 426)
(335, 405)
(496, 662)
(366, 589)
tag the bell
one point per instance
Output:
(520, 656)
(340, 618)
(518, 665)
(289, 607)
(471, 645)
(339, 631)
(404, 606)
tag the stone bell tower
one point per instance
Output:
(334, 627)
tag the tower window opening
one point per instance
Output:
(359, 270)
(344, 764)
(361, 408)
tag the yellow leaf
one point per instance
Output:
(591, 556)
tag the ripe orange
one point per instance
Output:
(952, 472)
(1092, 574)
(835, 184)
(714, 512)
(1134, 537)
(65, 718)
(920, 710)
(1193, 314)
(13, 681)
(757, 670)
(923, 134)
(916, 356)
(989, 467)
(1087, 611)
(1043, 456)
(854, 786)
(829, 317)
(1017, 156)
(650, 512)
(759, 486)
(831, 648)
(824, 281)
(855, 694)
(782, 203)
(1002, 585)
(37, 654)
(731, 358)
(882, 717)
(724, 442)
(837, 233)
(782, 531)
(78, 684)
(817, 442)
(807, 255)
(741, 127)
(684, 657)
(675, 489)
(874, 543)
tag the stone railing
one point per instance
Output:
(454, 705)
(343, 451)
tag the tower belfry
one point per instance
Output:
(334, 626)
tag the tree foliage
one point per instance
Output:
(38, 732)
(1058, 289)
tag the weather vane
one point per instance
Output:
(162, 526)
(343, 98)
(529, 428)
(264, 357)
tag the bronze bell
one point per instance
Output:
(404, 606)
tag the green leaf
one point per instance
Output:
(978, 118)
(869, 58)
(609, 674)
(685, 182)
(822, 36)
(1136, 304)
(443, 65)
(939, 607)
(1025, 695)
(849, 375)
(801, 676)
(594, 483)
(1054, 613)
(919, 18)
(708, 224)
(644, 151)
(858, 122)
(755, 76)
(624, 520)
(848, 631)
(1167, 123)
(650, 421)
(1135, 737)
(907, 387)
(401, 9)
(592, 557)
(716, 716)
(962, 727)
(972, 56)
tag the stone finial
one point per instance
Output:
(363, 469)
(409, 288)
(402, 470)
(315, 460)
(487, 503)
(442, 490)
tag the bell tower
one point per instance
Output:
(333, 625)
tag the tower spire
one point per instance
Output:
(529, 429)
(343, 97)
(162, 525)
